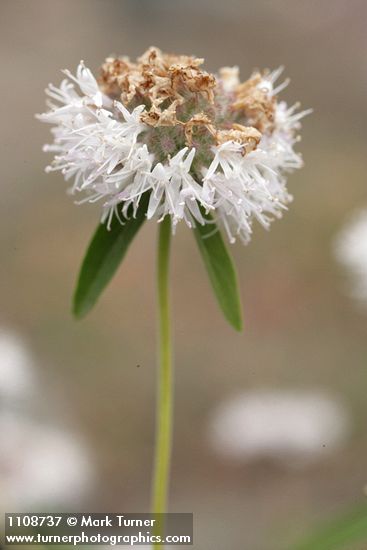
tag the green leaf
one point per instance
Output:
(221, 271)
(105, 252)
(339, 534)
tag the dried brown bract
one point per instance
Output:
(200, 119)
(247, 136)
(162, 81)
(190, 77)
(176, 91)
(255, 103)
(156, 117)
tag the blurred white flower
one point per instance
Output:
(40, 465)
(16, 368)
(294, 427)
(351, 250)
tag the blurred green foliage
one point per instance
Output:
(340, 534)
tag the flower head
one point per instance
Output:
(196, 142)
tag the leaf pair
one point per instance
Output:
(108, 248)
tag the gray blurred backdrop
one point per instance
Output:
(96, 377)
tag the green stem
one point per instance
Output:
(164, 399)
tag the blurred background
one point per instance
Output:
(270, 424)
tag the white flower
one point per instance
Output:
(87, 83)
(115, 153)
(268, 81)
(126, 185)
(227, 158)
(175, 191)
(293, 427)
(91, 142)
(246, 188)
(287, 119)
